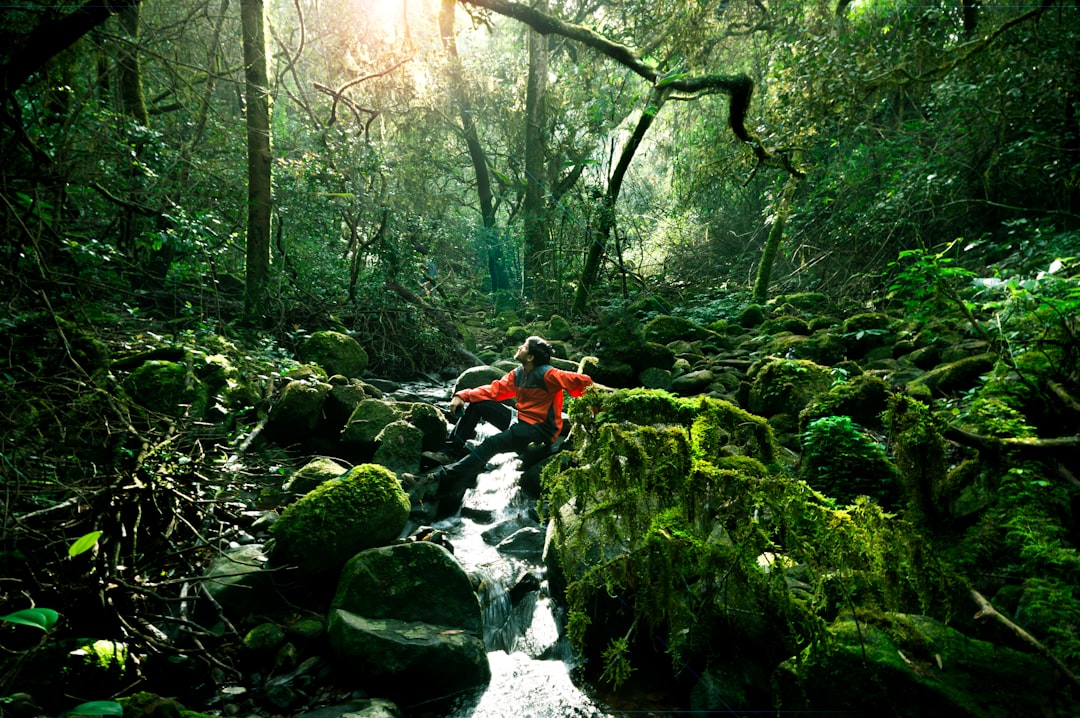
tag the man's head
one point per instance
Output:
(538, 348)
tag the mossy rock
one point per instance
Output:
(399, 447)
(651, 354)
(367, 420)
(655, 378)
(957, 376)
(428, 419)
(814, 302)
(786, 386)
(87, 350)
(751, 316)
(314, 474)
(665, 329)
(917, 667)
(365, 508)
(863, 332)
(558, 329)
(168, 388)
(864, 398)
(298, 412)
(477, 376)
(335, 352)
(516, 334)
(794, 325)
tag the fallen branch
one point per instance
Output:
(994, 443)
(986, 610)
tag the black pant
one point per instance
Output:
(514, 437)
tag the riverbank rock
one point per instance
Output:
(366, 507)
(335, 352)
(917, 667)
(406, 621)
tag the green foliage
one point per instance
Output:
(674, 500)
(41, 618)
(842, 461)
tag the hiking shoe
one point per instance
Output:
(455, 450)
(412, 481)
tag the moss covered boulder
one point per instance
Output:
(399, 447)
(313, 474)
(365, 508)
(958, 375)
(786, 386)
(864, 398)
(335, 352)
(298, 412)
(665, 329)
(405, 621)
(168, 388)
(477, 376)
(917, 667)
(368, 419)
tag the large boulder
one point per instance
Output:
(917, 667)
(167, 387)
(406, 619)
(239, 581)
(399, 447)
(786, 386)
(335, 352)
(366, 507)
(298, 412)
(477, 376)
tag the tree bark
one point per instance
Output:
(493, 248)
(257, 97)
(534, 215)
(772, 244)
(49, 39)
(598, 246)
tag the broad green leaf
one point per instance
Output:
(43, 618)
(97, 708)
(85, 543)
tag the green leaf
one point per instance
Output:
(97, 708)
(85, 543)
(43, 618)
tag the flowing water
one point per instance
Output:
(531, 660)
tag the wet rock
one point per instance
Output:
(239, 581)
(405, 617)
(526, 543)
(503, 529)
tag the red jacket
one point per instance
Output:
(538, 396)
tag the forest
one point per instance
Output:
(821, 258)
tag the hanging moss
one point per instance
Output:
(915, 436)
(661, 515)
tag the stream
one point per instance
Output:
(531, 660)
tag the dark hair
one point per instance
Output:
(540, 350)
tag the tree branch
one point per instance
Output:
(986, 610)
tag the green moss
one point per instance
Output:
(665, 329)
(168, 388)
(558, 329)
(915, 436)
(335, 352)
(786, 386)
(367, 507)
(864, 398)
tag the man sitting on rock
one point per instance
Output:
(537, 389)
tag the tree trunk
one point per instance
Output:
(598, 246)
(49, 39)
(536, 225)
(772, 244)
(490, 240)
(257, 97)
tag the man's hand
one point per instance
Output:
(456, 405)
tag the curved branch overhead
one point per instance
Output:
(740, 86)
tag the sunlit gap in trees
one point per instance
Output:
(389, 17)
